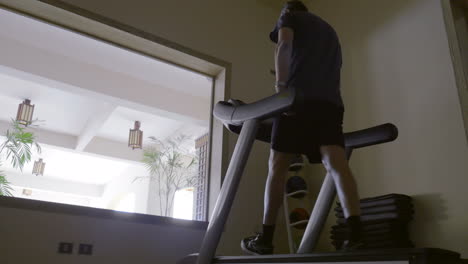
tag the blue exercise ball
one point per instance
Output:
(294, 184)
(296, 163)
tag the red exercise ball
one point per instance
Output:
(299, 214)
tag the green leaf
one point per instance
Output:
(170, 167)
(5, 188)
(18, 145)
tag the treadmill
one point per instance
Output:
(254, 121)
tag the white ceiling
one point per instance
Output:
(85, 49)
(73, 166)
(60, 111)
(75, 115)
(122, 119)
(67, 113)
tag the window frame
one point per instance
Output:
(459, 66)
(80, 21)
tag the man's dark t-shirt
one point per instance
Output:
(316, 57)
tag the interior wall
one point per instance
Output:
(398, 69)
(114, 241)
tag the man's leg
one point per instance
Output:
(335, 161)
(278, 166)
(274, 192)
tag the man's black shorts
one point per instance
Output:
(316, 124)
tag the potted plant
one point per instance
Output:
(171, 167)
(16, 149)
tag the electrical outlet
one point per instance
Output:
(85, 249)
(65, 248)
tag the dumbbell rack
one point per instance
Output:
(292, 245)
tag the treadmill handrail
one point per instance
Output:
(261, 109)
(371, 136)
(353, 140)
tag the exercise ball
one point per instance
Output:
(294, 184)
(299, 214)
(297, 163)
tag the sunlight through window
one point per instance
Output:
(183, 204)
(127, 203)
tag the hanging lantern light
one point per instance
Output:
(27, 192)
(38, 168)
(25, 113)
(135, 139)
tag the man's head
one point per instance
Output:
(293, 6)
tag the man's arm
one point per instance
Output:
(283, 54)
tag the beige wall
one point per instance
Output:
(30, 236)
(397, 68)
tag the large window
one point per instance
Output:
(88, 96)
(127, 203)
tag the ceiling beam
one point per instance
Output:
(93, 125)
(118, 150)
(45, 136)
(98, 146)
(53, 184)
(100, 83)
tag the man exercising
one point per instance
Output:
(307, 59)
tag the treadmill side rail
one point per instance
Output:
(228, 192)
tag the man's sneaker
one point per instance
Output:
(255, 245)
